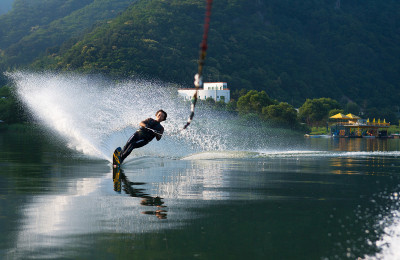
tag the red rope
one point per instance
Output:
(198, 81)
(203, 45)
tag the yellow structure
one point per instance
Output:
(339, 116)
(353, 126)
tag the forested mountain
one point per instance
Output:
(346, 50)
(35, 25)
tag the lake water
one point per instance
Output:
(224, 188)
(333, 199)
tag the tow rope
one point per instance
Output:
(198, 78)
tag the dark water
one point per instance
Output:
(333, 199)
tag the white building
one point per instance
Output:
(216, 90)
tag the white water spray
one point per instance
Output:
(94, 116)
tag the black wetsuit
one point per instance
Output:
(142, 137)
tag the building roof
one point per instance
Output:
(353, 116)
(202, 89)
(340, 116)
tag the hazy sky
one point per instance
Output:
(5, 6)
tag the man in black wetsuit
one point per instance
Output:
(149, 129)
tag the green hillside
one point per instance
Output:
(346, 50)
(36, 25)
(157, 38)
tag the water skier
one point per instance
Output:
(149, 129)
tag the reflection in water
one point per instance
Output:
(120, 178)
(360, 144)
(220, 205)
(375, 165)
(341, 165)
(202, 180)
(69, 207)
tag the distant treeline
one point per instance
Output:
(258, 106)
(291, 50)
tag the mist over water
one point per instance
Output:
(94, 116)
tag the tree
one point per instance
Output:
(232, 105)
(315, 111)
(282, 112)
(237, 93)
(221, 105)
(352, 107)
(335, 111)
(209, 102)
(253, 102)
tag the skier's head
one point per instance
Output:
(161, 115)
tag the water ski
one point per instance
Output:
(116, 157)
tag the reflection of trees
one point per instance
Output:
(121, 182)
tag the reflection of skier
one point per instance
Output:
(147, 200)
(149, 129)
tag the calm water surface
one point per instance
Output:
(331, 199)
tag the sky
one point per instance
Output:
(5, 6)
